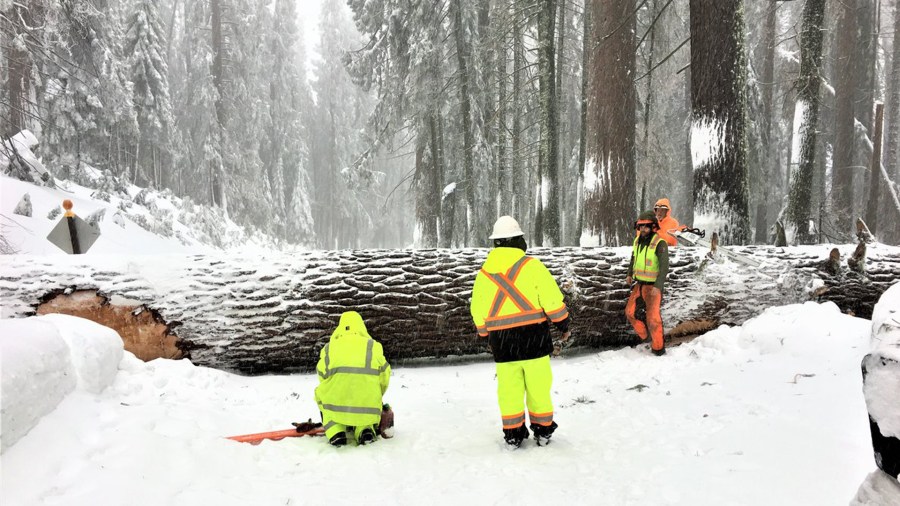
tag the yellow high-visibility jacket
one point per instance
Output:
(353, 374)
(513, 299)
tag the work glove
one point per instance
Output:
(628, 281)
(306, 426)
(561, 343)
(387, 422)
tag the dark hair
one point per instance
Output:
(512, 242)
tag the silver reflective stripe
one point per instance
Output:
(516, 267)
(352, 409)
(542, 419)
(384, 367)
(369, 346)
(498, 300)
(514, 421)
(327, 360)
(352, 370)
(511, 291)
(558, 314)
(328, 425)
(516, 318)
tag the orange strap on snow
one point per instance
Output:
(276, 435)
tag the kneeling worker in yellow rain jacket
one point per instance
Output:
(353, 376)
(513, 302)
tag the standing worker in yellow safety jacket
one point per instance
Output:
(353, 377)
(513, 302)
(648, 268)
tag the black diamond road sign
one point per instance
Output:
(61, 237)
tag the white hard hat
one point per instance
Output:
(506, 227)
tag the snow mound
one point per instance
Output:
(779, 329)
(46, 358)
(886, 324)
(882, 365)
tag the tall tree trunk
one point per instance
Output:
(520, 191)
(549, 147)
(448, 200)
(609, 174)
(428, 192)
(504, 179)
(800, 196)
(218, 47)
(465, 105)
(648, 100)
(561, 129)
(875, 173)
(582, 137)
(842, 171)
(768, 87)
(892, 148)
(864, 96)
(15, 26)
(688, 167)
(718, 115)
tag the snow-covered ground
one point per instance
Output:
(772, 412)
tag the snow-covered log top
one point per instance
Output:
(273, 313)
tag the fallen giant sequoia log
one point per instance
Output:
(273, 314)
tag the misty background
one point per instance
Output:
(394, 123)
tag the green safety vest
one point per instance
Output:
(353, 375)
(646, 264)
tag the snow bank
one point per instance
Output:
(19, 147)
(43, 359)
(764, 336)
(882, 365)
(878, 489)
(886, 323)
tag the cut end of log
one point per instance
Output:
(143, 331)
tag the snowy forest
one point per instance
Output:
(418, 123)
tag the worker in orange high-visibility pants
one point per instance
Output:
(514, 300)
(647, 269)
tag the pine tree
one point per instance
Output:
(145, 43)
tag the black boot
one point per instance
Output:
(514, 437)
(659, 352)
(542, 433)
(366, 436)
(339, 439)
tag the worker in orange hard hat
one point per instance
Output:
(646, 278)
(667, 222)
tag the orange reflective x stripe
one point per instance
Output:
(506, 288)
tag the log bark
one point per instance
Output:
(273, 314)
